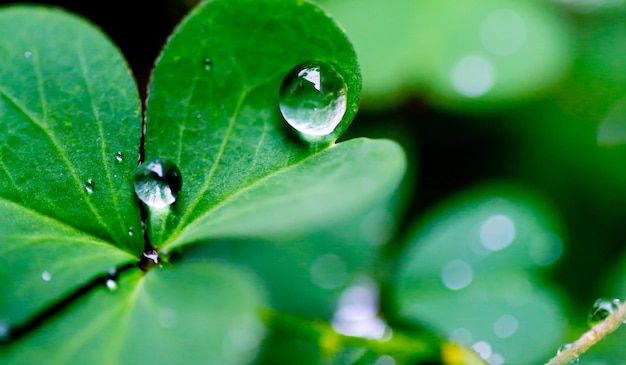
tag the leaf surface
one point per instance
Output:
(198, 313)
(213, 109)
(68, 106)
(470, 271)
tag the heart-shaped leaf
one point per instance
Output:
(69, 134)
(470, 272)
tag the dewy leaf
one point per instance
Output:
(69, 135)
(194, 313)
(345, 179)
(213, 109)
(470, 272)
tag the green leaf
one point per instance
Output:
(199, 313)
(68, 105)
(339, 182)
(213, 107)
(470, 272)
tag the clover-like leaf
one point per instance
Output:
(470, 272)
(214, 110)
(69, 139)
(198, 313)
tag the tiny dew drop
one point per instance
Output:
(208, 63)
(28, 54)
(313, 98)
(563, 348)
(119, 156)
(46, 276)
(131, 231)
(90, 185)
(158, 182)
(601, 309)
(111, 284)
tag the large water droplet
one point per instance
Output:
(313, 98)
(601, 309)
(90, 186)
(119, 156)
(157, 182)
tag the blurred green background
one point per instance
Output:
(528, 92)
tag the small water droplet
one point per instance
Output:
(564, 347)
(90, 185)
(157, 182)
(111, 284)
(28, 54)
(119, 156)
(5, 330)
(208, 63)
(131, 231)
(313, 98)
(112, 271)
(198, 115)
(601, 309)
(46, 276)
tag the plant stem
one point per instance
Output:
(591, 337)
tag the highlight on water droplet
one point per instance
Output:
(601, 309)
(90, 185)
(111, 284)
(158, 182)
(119, 156)
(313, 99)
(46, 276)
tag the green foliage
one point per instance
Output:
(294, 248)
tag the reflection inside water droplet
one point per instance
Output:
(158, 182)
(46, 276)
(90, 185)
(457, 274)
(497, 232)
(473, 76)
(313, 98)
(601, 309)
(505, 326)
